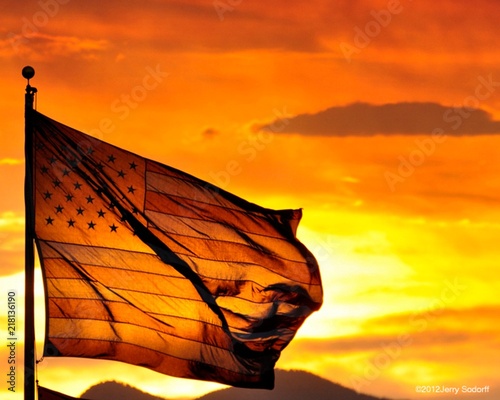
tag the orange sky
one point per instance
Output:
(400, 198)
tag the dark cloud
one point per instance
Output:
(221, 26)
(362, 119)
(210, 132)
(39, 46)
(173, 26)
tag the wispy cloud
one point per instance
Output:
(419, 335)
(38, 45)
(11, 161)
(11, 222)
(11, 239)
(406, 118)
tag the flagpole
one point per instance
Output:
(29, 318)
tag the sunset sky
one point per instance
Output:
(381, 119)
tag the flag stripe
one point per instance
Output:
(230, 217)
(191, 229)
(213, 335)
(211, 268)
(179, 347)
(146, 282)
(47, 394)
(133, 353)
(228, 252)
(116, 311)
(197, 227)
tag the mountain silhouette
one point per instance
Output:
(292, 385)
(289, 385)
(115, 390)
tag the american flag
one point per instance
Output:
(149, 265)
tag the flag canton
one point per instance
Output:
(86, 190)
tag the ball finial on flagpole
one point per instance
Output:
(28, 72)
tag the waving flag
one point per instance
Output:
(47, 394)
(151, 266)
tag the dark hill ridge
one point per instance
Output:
(289, 385)
(115, 390)
(292, 385)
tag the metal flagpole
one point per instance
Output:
(29, 316)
